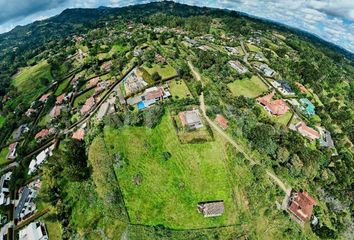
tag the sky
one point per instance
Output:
(332, 20)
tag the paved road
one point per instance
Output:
(238, 147)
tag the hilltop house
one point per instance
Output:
(11, 155)
(4, 188)
(276, 107)
(306, 131)
(151, 96)
(190, 119)
(44, 97)
(60, 99)
(300, 205)
(34, 231)
(211, 209)
(55, 112)
(307, 107)
(238, 66)
(92, 82)
(79, 134)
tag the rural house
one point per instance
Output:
(222, 121)
(44, 133)
(44, 97)
(4, 188)
(60, 99)
(25, 206)
(300, 205)
(34, 231)
(238, 66)
(265, 69)
(190, 119)
(276, 107)
(306, 131)
(325, 138)
(20, 131)
(211, 209)
(11, 155)
(301, 87)
(90, 102)
(40, 158)
(79, 134)
(151, 96)
(55, 112)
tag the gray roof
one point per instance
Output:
(21, 203)
(211, 209)
(192, 117)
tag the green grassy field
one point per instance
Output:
(3, 154)
(44, 120)
(248, 87)
(61, 87)
(170, 190)
(165, 72)
(2, 120)
(179, 89)
(82, 98)
(253, 48)
(29, 79)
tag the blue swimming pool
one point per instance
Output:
(141, 105)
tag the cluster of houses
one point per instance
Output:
(39, 159)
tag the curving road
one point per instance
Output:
(222, 133)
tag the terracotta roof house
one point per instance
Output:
(211, 209)
(30, 111)
(223, 122)
(44, 133)
(151, 96)
(106, 66)
(90, 102)
(276, 107)
(60, 99)
(79, 134)
(306, 131)
(301, 87)
(44, 97)
(93, 82)
(12, 151)
(301, 206)
(55, 111)
(190, 119)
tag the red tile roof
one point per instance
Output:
(43, 133)
(44, 97)
(60, 99)
(55, 111)
(277, 107)
(182, 118)
(93, 82)
(158, 93)
(306, 131)
(88, 105)
(301, 205)
(79, 134)
(301, 87)
(12, 148)
(222, 121)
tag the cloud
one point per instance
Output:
(15, 9)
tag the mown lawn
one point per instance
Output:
(179, 89)
(166, 71)
(168, 191)
(54, 230)
(248, 87)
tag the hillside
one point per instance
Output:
(167, 121)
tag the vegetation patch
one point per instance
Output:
(2, 120)
(253, 48)
(165, 190)
(248, 87)
(62, 87)
(165, 71)
(82, 98)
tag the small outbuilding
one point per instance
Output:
(211, 209)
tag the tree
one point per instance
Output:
(156, 77)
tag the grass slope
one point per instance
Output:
(179, 89)
(165, 71)
(170, 190)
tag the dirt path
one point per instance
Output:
(238, 147)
